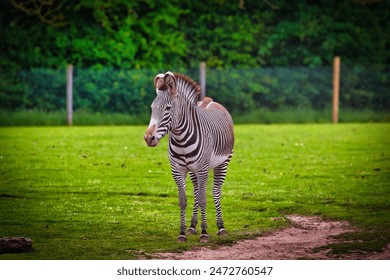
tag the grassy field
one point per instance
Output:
(100, 193)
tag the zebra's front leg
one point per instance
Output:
(202, 181)
(194, 221)
(180, 179)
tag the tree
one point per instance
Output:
(48, 11)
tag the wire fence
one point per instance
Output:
(240, 90)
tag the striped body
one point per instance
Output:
(201, 138)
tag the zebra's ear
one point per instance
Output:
(170, 81)
(159, 81)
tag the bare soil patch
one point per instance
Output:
(296, 242)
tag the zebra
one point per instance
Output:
(201, 137)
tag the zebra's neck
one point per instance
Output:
(187, 88)
(185, 122)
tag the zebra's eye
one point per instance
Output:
(168, 108)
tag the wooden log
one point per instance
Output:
(15, 245)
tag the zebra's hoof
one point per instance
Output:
(204, 238)
(191, 231)
(222, 232)
(182, 238)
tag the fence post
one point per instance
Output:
(69, 93)
(202, 80)
(336, 89)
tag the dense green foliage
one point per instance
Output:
(100, 193)
(150, 34)
(117, 47)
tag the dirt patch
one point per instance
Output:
(296, 242)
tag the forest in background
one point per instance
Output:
(270, 53)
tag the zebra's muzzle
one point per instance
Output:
(150, 138)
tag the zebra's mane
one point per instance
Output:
(187, 87)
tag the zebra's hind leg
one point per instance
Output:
(180, 179)
(194, 221)
(202, 181)
(219, 178)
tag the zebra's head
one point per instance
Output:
(162, 109)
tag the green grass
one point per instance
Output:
(100, 193)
